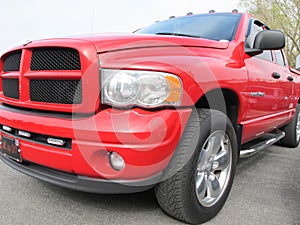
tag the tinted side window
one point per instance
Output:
(267, 55)
(254, 28)
(279, 58)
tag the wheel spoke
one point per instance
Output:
(216, 144)
(221, 161)
(209, 151)
(203, 160)
(201, 184)
(213, 186)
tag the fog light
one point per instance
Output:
(116, 161)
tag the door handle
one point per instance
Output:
(276, 75)
(290, 78)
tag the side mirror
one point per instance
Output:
(298, 62)
(269, 40)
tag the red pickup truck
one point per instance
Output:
(172, 106)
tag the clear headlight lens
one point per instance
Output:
(121, 92)
(141, 88)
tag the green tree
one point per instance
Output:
(282, 15)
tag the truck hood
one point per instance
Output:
(116, 42)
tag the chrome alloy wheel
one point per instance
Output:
(213, 168)
(298, 128)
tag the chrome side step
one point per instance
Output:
(266, 141)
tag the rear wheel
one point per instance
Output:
(292, 131)
(200, 175)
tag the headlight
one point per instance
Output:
(140, 88)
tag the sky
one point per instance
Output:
(25, 20)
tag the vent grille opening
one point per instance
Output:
(56, 91)
(10, 88)
(12, 62)
(55, 59)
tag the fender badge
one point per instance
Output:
(257, 94)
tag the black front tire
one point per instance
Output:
(178, 194)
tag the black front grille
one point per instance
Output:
(55, 59)
(12, 61)
(10, 88)
(56, 91)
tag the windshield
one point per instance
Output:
(215, 26)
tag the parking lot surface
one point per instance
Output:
(266, 191)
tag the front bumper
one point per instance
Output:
(82, 183)
(145, 139)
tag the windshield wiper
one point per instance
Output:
(178, 34)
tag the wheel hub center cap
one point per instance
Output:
(209, 165)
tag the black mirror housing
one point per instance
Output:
(269, 40)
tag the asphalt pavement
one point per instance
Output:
(266, 191)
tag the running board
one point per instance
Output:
(265, 141)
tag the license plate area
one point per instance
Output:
(11, 148)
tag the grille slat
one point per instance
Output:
(12, 62)
(10, 88)
(56, 91)
(55, 59)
